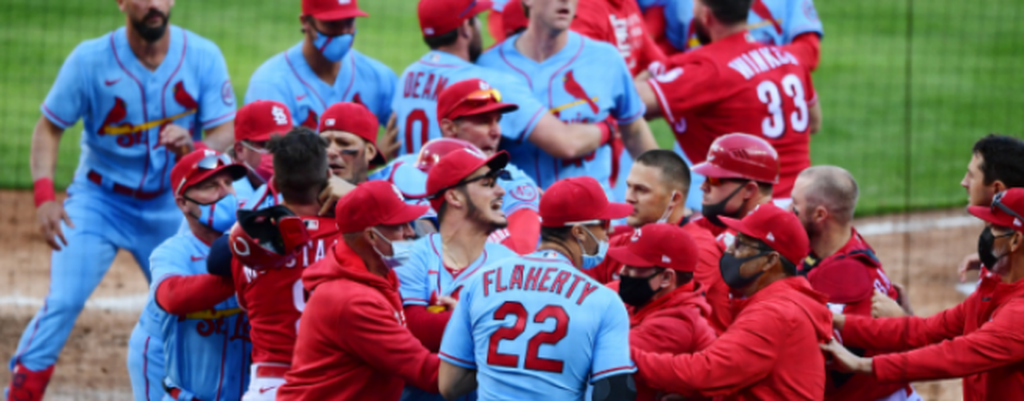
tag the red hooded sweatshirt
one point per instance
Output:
(353, 344)
(675, 323)
(770, 352)
(980, 340)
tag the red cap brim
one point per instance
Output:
(335, 15)
(237, 172)
(266, 135)
(738, 226)
(499, 107)
(481, 6)
(406, 214)
(709, 170)
(623, 255)
(617, 211)
(985, 213)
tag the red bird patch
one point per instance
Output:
(183, 98)
(574, 89)
(116, 113)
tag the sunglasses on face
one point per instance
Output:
(213, 161)
(258, 148)
(489, 180)
(717, 182)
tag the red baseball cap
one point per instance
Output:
(258, 120)
(777, 228)
(741, 156)
(199, 165)
(442, 16)
(457, 166)
(374, 203)
(578, 200)
(658, 245)
(469, 98)
(513, 17)
(356, 119)
(332, 10)
(1006, 211)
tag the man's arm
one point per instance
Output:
(221, 137)
(900, 333)
(393, 350)
(814, 113)
(455, 381)
(568, 141)
(615, 388)
(643, 88)
(42, 162)
(637, 137)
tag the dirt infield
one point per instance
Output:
(92, 366)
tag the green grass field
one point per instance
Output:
(964, 80)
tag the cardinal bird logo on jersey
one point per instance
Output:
(183, 98)
(574, 89)
(312, 120)
(116, 114)
(358, 100)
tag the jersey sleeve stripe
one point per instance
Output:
(608, 372)
(53, 118)
(666, 110)
(633, 117)
(456, 361)
(414, 301)
(219, 119)
(530, 124)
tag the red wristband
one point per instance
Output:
(606, 131)
(43, 190)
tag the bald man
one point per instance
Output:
(842, 265)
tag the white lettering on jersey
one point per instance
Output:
(761, 60)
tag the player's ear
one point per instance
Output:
(447, 128)
(820, 213)
(121, 5)
(371, 151)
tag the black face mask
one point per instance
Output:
(636, 291)
(985, 242)
(713, 211)
(730, 267)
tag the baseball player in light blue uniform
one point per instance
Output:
(775, 22)
(137, 115)
(291, 77)
(424, 277)
(535, 327)
(202, 352)
(584, 82)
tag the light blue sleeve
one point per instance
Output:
(67, 100)
(457, 346)
(217, 97)
(801, 18)
(521, 192)
(264, 85)
(414, 273)
(678, 15)
(386, 86)
(517, 125)
(628, 106)
(611, 347)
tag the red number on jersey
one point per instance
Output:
(416, 116)
(533, 361)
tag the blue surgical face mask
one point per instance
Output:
(334, 48)
(591, 261)
(219, 215)
(400, 251)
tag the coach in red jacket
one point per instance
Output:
(980, 339)
(668, 312)
(353, 343)
(761, 355)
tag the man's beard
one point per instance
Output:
(150, 33)
(702, 32)
(475, 213)
(475, 49)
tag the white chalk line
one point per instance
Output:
(133, 303)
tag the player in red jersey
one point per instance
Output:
(272, 292)
(843, 266)
(736, 84)
(620, 23)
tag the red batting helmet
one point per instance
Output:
(267, 238)
(741, 156)
(434, 150)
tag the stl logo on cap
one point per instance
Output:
(279, 117)
(636, 236)
(344, 2)
(666, 259)
(484, 86)
(398, 193)
(1016, 222)
(329, 122)
(770, 237)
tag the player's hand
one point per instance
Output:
(448, 302)
(845, 361)
(50, 214)
(970, 262)
(336, 189)
(390, 145)
(177, 139)
(883, 306)
(904, 300)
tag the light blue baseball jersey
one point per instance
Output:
(288, 79)
(415, 101)
(585, 82)
(207, 354)
(424, 277)
(535, 327)
(261, 198)
(521, 191)
(788, 19)
(124, 105)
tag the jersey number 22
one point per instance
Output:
(533, 360)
